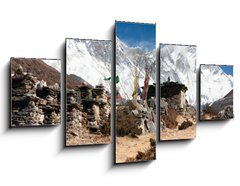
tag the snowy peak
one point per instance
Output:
(90, 60)
(100, 49)
(215, 83)
(130, 59)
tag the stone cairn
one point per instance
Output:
(173, 96)
(88, 108)
(33, 103)
(145, 114)
(75, 117)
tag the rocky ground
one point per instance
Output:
(220, 109)
(128, 147)
(85, 137)
(185, 129)
(225, 113)
(175, 134)
(135, 127)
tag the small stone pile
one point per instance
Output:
(33, 104)
(135, 118)
(146, 115)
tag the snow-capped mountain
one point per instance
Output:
(178, 62)
(91, 60)
(128, 59)
(215, 83)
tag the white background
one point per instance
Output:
(35, 156)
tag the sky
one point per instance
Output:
(137, 34)
(228, 69)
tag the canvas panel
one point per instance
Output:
(135, 80)
(35, 92)
(177, 92)
(88, 89)
(216, 89)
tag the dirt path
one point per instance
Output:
(174, 134)
(127, 147)
(87, 138)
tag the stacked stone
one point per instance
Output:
(145, 115)
(91, 105)
(99, 93)
(86, 92)
(30, 109)
(93, 118)
(74, 114)
(25, 111)
(104, 114)
(96, 107)
(50, 105)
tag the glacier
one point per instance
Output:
(178, 62)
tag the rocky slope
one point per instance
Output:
(37, 67)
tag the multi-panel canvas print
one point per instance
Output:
(135, 83)
(88, 84)
(216, 89)
(177, 92)
(35, 92)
